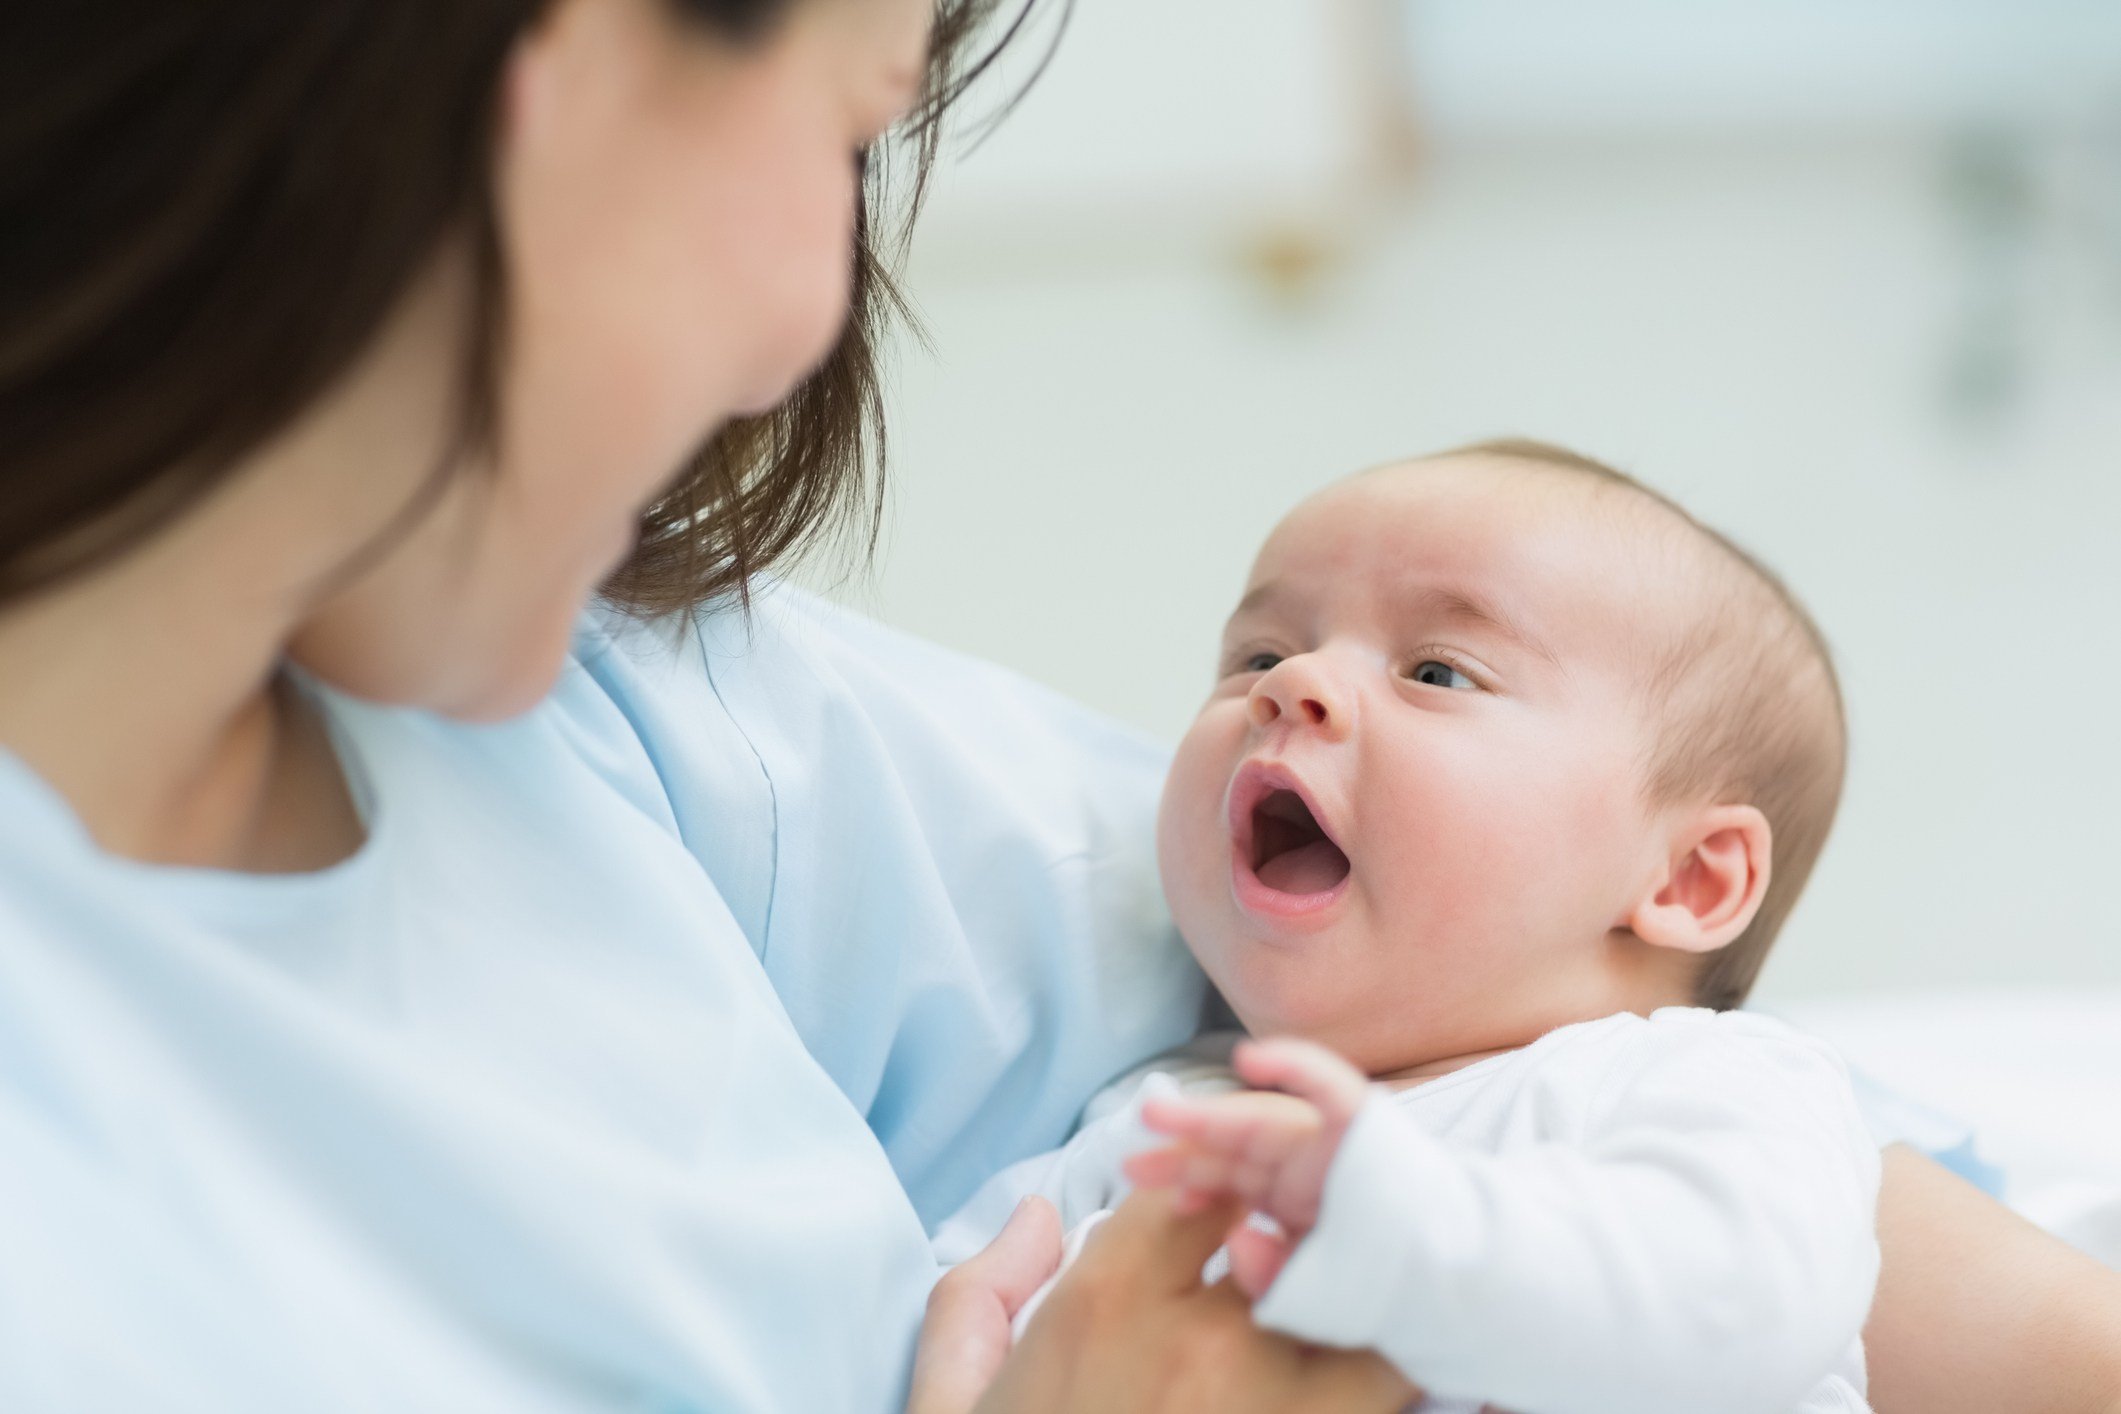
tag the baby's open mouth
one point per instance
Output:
(1290, 852)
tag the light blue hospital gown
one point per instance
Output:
(624, 1066)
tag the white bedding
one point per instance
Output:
(2035, 1072)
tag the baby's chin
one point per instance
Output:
(1272, 993)
(1276, 991)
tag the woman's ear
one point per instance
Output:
(1712, 883)
(549, 63)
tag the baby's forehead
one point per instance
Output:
(1514, 486)
(1491, 516)
(1587, 569)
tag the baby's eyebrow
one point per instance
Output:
(1440, 602)
(1256, 596)
(1456, 604)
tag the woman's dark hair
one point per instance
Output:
(208, 209)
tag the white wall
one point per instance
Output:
(1765, 324)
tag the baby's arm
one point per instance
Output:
(1704, 1243)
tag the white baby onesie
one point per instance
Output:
(1661, 1215)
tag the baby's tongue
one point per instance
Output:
(1308, 869)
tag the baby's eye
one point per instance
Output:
(1435, 672)
(1258, 662)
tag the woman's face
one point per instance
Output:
(677, 216)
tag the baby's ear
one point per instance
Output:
(1712, 882)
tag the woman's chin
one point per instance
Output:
(500, 677)
(512, 688)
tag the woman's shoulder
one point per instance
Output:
(804, 698)
(806, 654)
(967, 852)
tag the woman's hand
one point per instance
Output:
(1130, 1329)
(967, 1333)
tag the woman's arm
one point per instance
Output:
(1980, 1312)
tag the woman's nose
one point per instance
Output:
(1301, 693)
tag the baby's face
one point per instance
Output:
(1408, 821)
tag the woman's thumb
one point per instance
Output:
(1022, 1255)
(967, 1336)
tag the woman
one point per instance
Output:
(415, 993)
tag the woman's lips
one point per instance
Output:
(1310, 871)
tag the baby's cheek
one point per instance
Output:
(1457, 848)
(1188, 833)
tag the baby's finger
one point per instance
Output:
(1155, 1168)
(1258, 1124)
(1303, 1069)
(1256, 1258)
(1286, 1063)
(1217, 1173)
(1184, 1167)
(1174, 1117)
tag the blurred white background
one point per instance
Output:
(1842, 275)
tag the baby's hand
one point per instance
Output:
(1270, 1146)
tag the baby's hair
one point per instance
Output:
(1751, 707)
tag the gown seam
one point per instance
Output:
(773, 798)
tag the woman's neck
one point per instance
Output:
(149, 692)
(150, 698)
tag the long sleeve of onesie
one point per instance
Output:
(1684, 1222)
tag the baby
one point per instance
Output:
(1511, 774)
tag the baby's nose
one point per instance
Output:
(1298, 694)
(1266, 710)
